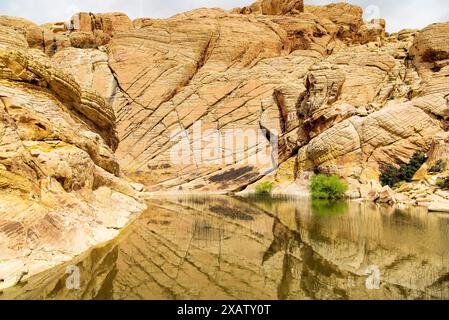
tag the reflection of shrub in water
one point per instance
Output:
(267, 201)
(325, 208)
(197, 200)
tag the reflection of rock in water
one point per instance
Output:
(328, 259)
(204, 231)
(97, 273)
(183, 249)
(231, 213)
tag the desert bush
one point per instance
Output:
(328, 187)
(443, 183)
(264, 188)
(438, 167)
(393, 176)
(390, 176)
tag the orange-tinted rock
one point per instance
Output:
(112, 23)
(273, 7)
(81, 39)
(343, 14)
(31, 31)
(12, 39)
(58, 173)
(54, 42)
(431, 44)
(109, 23)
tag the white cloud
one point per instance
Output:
(398, 13)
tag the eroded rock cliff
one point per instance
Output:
(332, 92)
(255, 69)
(60, 185)
(326, 90)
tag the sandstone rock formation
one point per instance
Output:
(60, 185)
(204, 82)
(323, 89)
(273, 7)
(424, 190)
(313, 88)
(416, 112)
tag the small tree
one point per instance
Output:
(392, 176)
(328, 187)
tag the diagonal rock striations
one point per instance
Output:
(229, 248)
(302, 74)
(61, 189)
(87, 102)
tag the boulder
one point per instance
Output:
(386, 196)
(343, 14)
(430, 45)
(82, 40)
(273, 7)
(31, 31)
(109, 23)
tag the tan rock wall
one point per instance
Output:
(300, 72)
(60, 185)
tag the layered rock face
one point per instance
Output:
(211, 100)
(185, 88)
(407, 111)
(208, 100)
(60, 185)
(335, 88)
(200, 96)
(273, 7)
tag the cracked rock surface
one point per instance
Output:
(339, 94)
(61, 191)
(85, 104)
(277, 66)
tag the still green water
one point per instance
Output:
(218, 247)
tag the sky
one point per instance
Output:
(400, 14)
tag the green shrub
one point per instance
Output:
(438, 167)
(443, 183)
(328, 187)
(407, 171)
(392, 176)
(264, 188)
